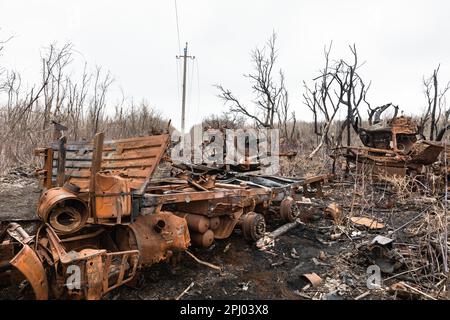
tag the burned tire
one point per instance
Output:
(253, 226)
(289, 210)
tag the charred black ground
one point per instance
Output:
(338, 253)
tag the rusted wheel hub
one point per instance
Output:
(66, 219)
(253, 226)
(289, 210)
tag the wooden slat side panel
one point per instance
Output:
(133, 158)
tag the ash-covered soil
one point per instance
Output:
(248, 273)
(19, 195)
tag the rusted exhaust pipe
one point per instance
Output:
(203, 239)
(196, 222)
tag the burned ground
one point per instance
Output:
(338, 252)
(248, 273)
(19, 194)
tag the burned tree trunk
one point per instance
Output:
(436, 114)
(338, 84)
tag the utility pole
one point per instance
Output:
(183, 101)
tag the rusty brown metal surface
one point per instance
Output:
(288, 209)
(63, 209)
(101, 271)
(45, 174)
(253, 226)
(28, 263)
(313, 278)
(426, 152)
(113, 197)
(227, 224)
(155, 236)
(196, 222)
(205, 239)
(16, 231)
(392, 150)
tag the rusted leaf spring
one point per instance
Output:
(154, 200)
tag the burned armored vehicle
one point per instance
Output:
(392, 148)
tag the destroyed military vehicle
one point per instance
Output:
(393, 148)
(105, 215)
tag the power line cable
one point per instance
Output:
(178, 27)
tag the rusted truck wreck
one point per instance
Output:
(392, 149)
(105, 215)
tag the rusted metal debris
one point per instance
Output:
(393, 149)
(105, 215)
(313, 278)
(367, 222)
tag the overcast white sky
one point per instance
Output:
(137, 41)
